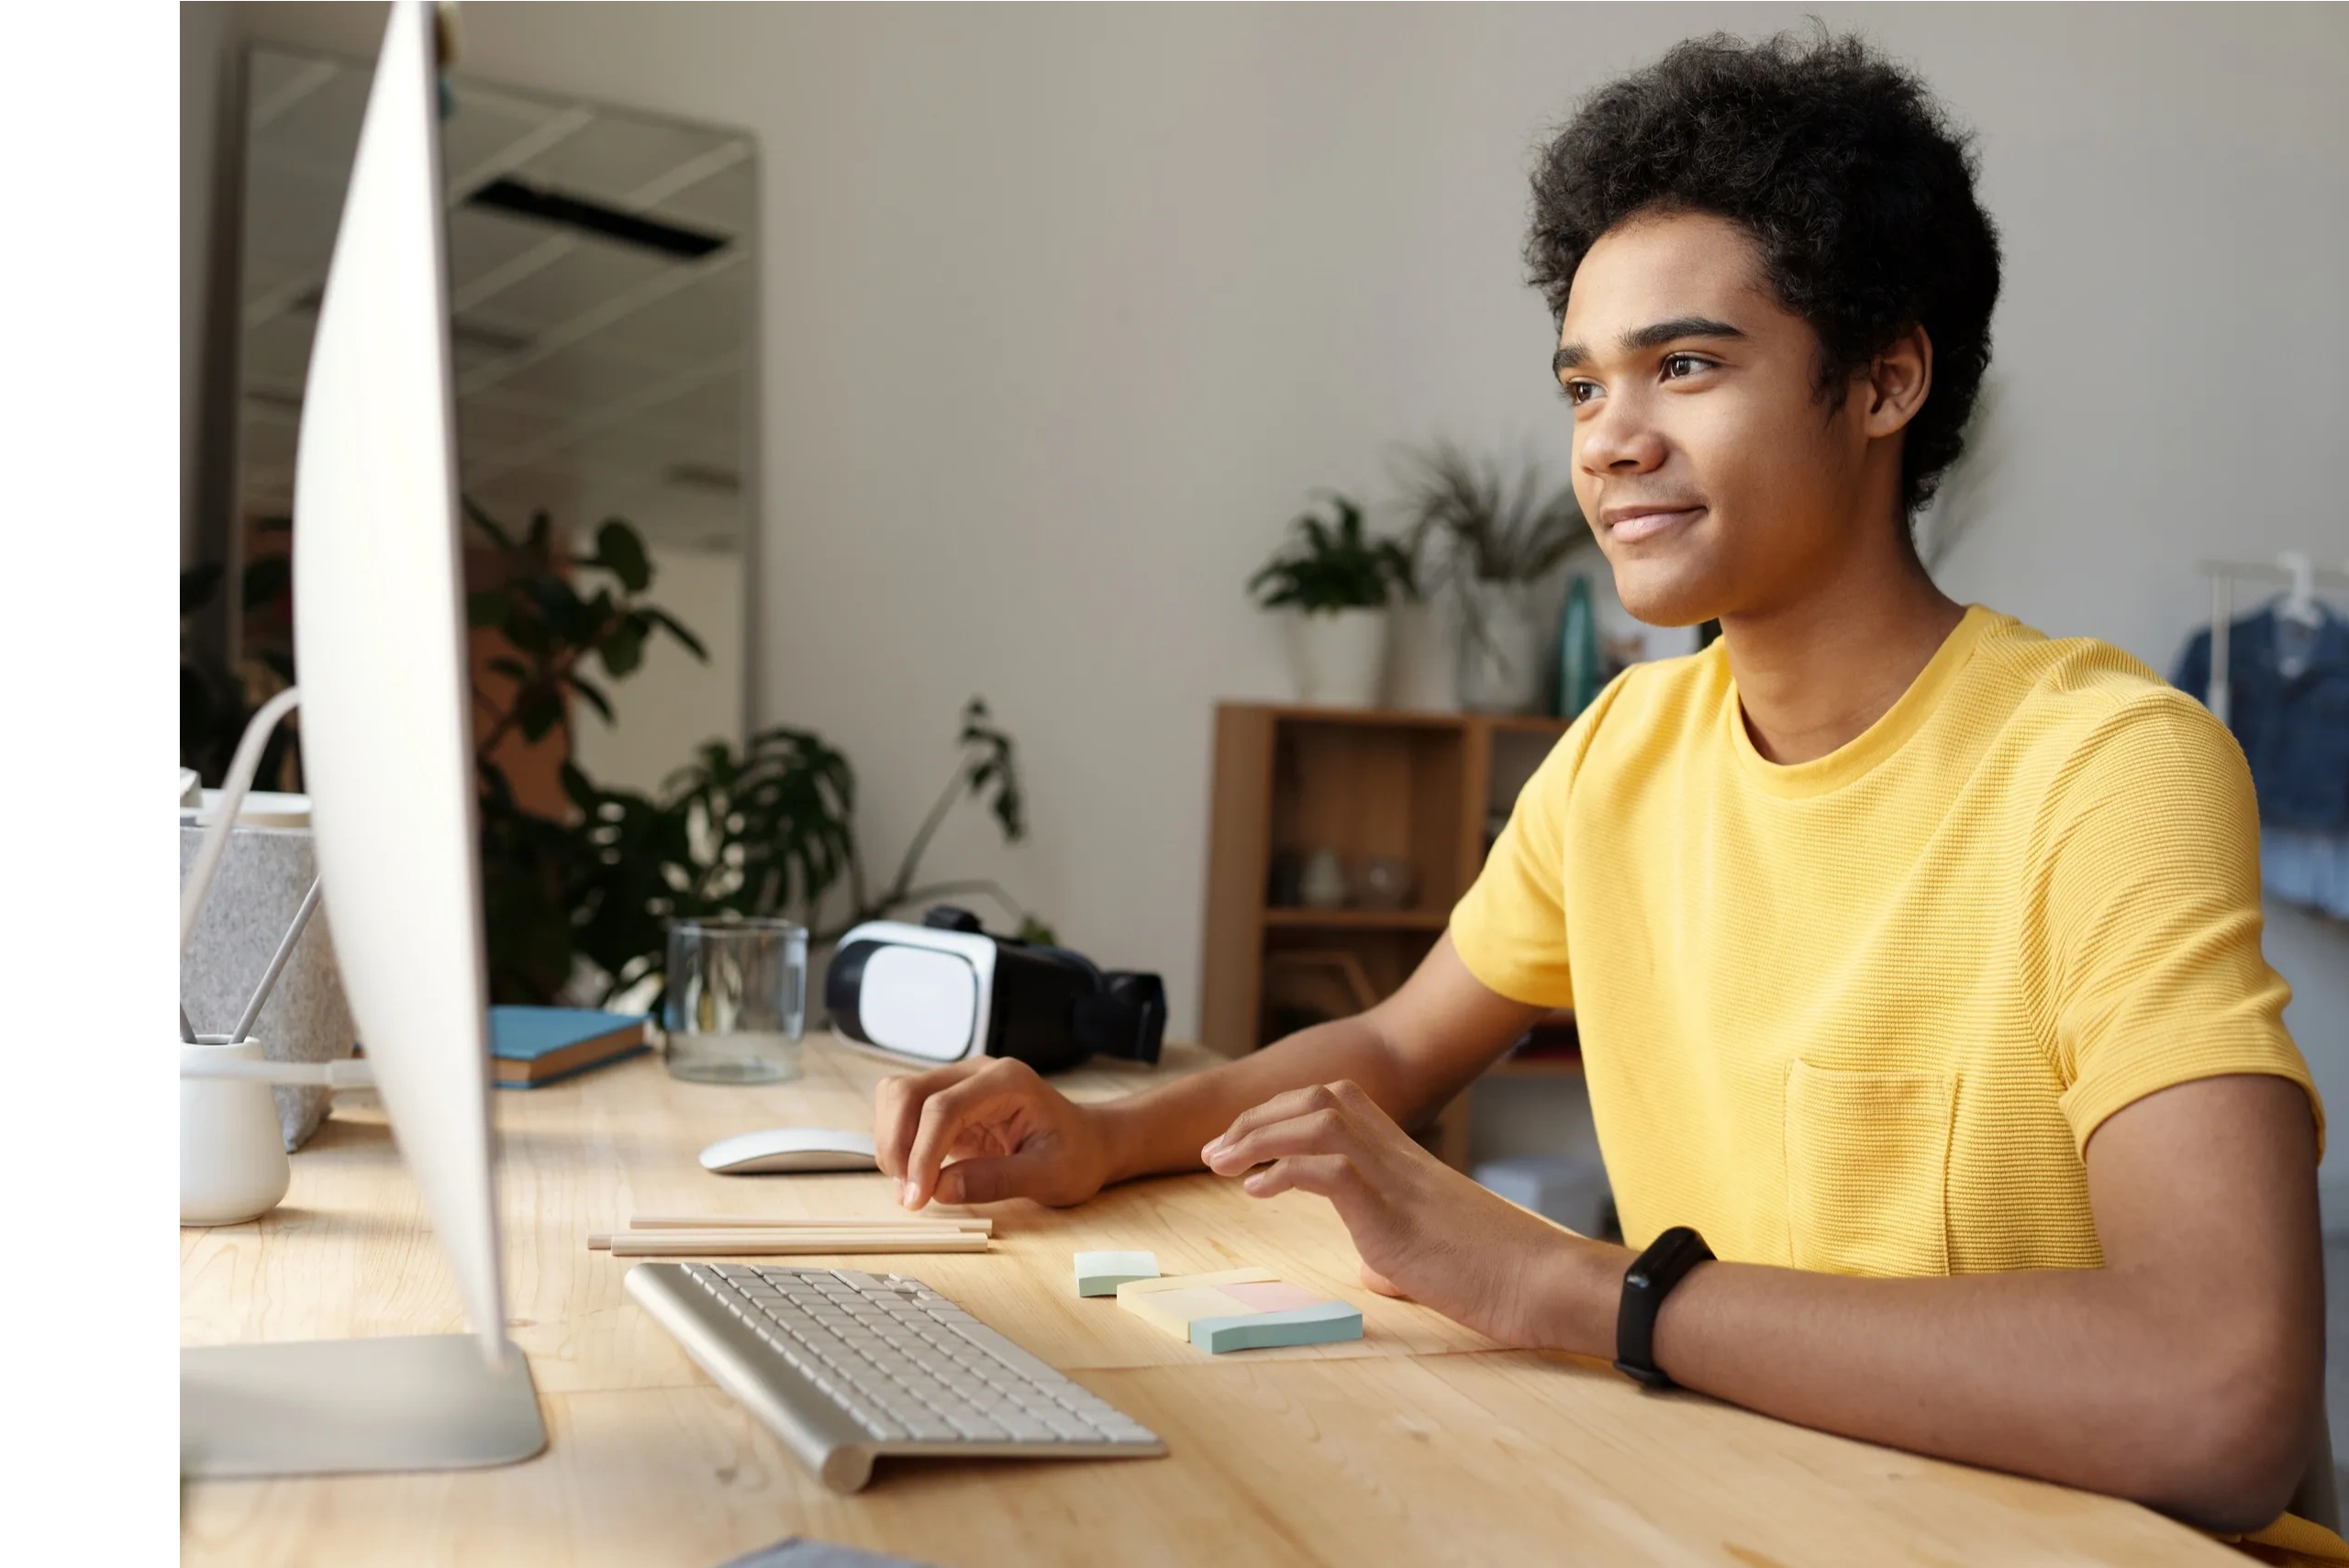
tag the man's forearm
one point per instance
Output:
(2071, 1376)
(1163, 1128)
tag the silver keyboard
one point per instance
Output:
(844, 1366)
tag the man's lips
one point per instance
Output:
(1629, 525)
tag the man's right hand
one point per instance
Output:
(1007, 1132)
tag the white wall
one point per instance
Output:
(1065, 309)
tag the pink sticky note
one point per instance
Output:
(1272, 1296)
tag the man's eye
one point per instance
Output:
(1578, 391)
(1678, 365)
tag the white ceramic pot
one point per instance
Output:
(232, 1156)
(1506, 648)
(1339, 659)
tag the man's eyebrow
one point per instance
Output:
(1654, 336)
(1663, 332)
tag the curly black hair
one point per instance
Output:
(1856, 186)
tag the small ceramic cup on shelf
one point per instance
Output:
(233, 1155)
(1322, 883)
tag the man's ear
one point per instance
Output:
(1897, 380)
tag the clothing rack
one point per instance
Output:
(2289, 568)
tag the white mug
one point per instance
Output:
(232, 1156)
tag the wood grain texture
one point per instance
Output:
(1420, 1442)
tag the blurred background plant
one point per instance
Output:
(577, 904)
(1334, 565)
(1480, 523)
(1491, 538)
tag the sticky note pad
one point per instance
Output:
(1100, 1274)
(1239, 1309)
(1168, 1305)
(1317, 1324)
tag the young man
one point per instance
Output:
(1916, 955)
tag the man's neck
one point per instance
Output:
(1813, 675)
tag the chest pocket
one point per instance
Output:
(1867, 1170)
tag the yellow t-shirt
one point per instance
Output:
(1862, 1014)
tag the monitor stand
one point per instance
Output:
(331, 1406)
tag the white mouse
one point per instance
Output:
(790, 1149)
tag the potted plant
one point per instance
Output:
(1338, 580)
(1494, 545)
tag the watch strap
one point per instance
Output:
(1649, 1280)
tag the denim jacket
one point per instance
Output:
(2294, 728)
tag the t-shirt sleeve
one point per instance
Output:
(2149, 867)
(1511, 927)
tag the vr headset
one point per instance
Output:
(945, 990)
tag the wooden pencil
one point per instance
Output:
(770, 1222)
(603, 1240)
(789, 1243)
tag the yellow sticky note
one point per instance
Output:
(1169, 1304)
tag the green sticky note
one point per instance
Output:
(1315, 1325)
(1100, 1274)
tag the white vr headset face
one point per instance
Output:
(945, 990)
(922, 993)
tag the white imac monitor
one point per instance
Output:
(379, 638)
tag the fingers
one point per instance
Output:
(1326, 1174)
(1280, 1107)
(986, 1180)
(945, 1113)
(1342, 1097)
(1314, 1132)
(897, 1110)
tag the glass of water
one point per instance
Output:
(737, 1000)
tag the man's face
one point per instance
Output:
(1715, 480)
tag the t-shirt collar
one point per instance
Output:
(1856, 757)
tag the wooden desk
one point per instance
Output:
(1420, 1443)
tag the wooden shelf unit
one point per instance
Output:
(1417, 786)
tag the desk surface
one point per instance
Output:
(1419, 1443)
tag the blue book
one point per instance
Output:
(530, 1046)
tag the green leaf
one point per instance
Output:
(668, 622)
(485, 523)
(488, 608)
(540, 712)
(621, 552)
(576, 785)
(531, 634)
(623, 650)
(594, 696)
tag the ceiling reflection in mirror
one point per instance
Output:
(601, 275)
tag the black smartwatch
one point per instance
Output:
(1653, 1274)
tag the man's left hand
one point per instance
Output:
(1423, 1229)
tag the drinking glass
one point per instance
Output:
(737, 1000)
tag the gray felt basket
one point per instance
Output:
(260, 885)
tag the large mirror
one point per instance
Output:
(602, 276)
